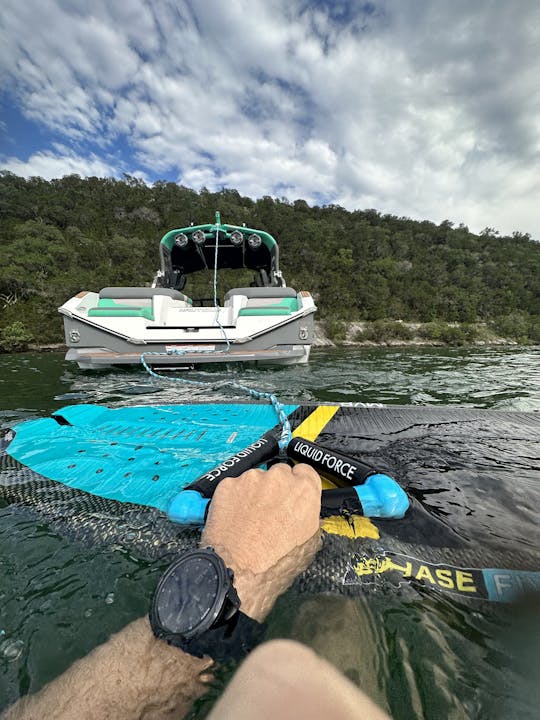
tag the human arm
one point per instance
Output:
(132, 675)
(265, 525)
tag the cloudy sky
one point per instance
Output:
(428, 109)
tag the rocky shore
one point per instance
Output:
(399, 333)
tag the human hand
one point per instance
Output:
(265, 526)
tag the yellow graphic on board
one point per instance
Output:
(315, 422)
(354, 526)
(442, 576)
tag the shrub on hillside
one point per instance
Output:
(336, 330)
(453, 335)
(14, 337)
(384, 330)
(441, 332)
(515, 326)
(534, 329)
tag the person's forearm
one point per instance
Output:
(133, 675)
(265, 526)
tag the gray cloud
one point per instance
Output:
(425, 109)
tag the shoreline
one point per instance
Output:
(350, 339)
(364, 333)
(349, 334)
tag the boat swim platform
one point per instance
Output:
(95, 358)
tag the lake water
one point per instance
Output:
(433, 658)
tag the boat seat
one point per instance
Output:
(266, 306)
(262, 292)
(138, 293)
(107, 307)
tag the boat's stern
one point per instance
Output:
(255, 324)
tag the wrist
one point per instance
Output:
(258, 591)
(196, 608)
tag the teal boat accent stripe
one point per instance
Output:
(264, 311)
(142, 455)
(122, 311)
(107, 307)
(283, 307)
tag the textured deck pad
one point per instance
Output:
(472, 476)
(142, 455)
(476, 472)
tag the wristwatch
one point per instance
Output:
(196, 608)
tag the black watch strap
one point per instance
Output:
(232, 640)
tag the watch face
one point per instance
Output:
(187, 594)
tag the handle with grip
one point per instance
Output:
(363, 490)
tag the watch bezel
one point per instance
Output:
(224, 605)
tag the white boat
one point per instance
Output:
(267, 322)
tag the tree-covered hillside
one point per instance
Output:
(63, 236)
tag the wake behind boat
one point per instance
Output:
(267, 322)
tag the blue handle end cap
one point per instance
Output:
(382, 497)
(188, 508)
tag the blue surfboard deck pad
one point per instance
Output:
(104, 476)
(142, 455)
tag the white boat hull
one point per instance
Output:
(170, 332)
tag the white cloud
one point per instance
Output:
(51, 165)
(416, 108)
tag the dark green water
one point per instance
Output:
(428, 657)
